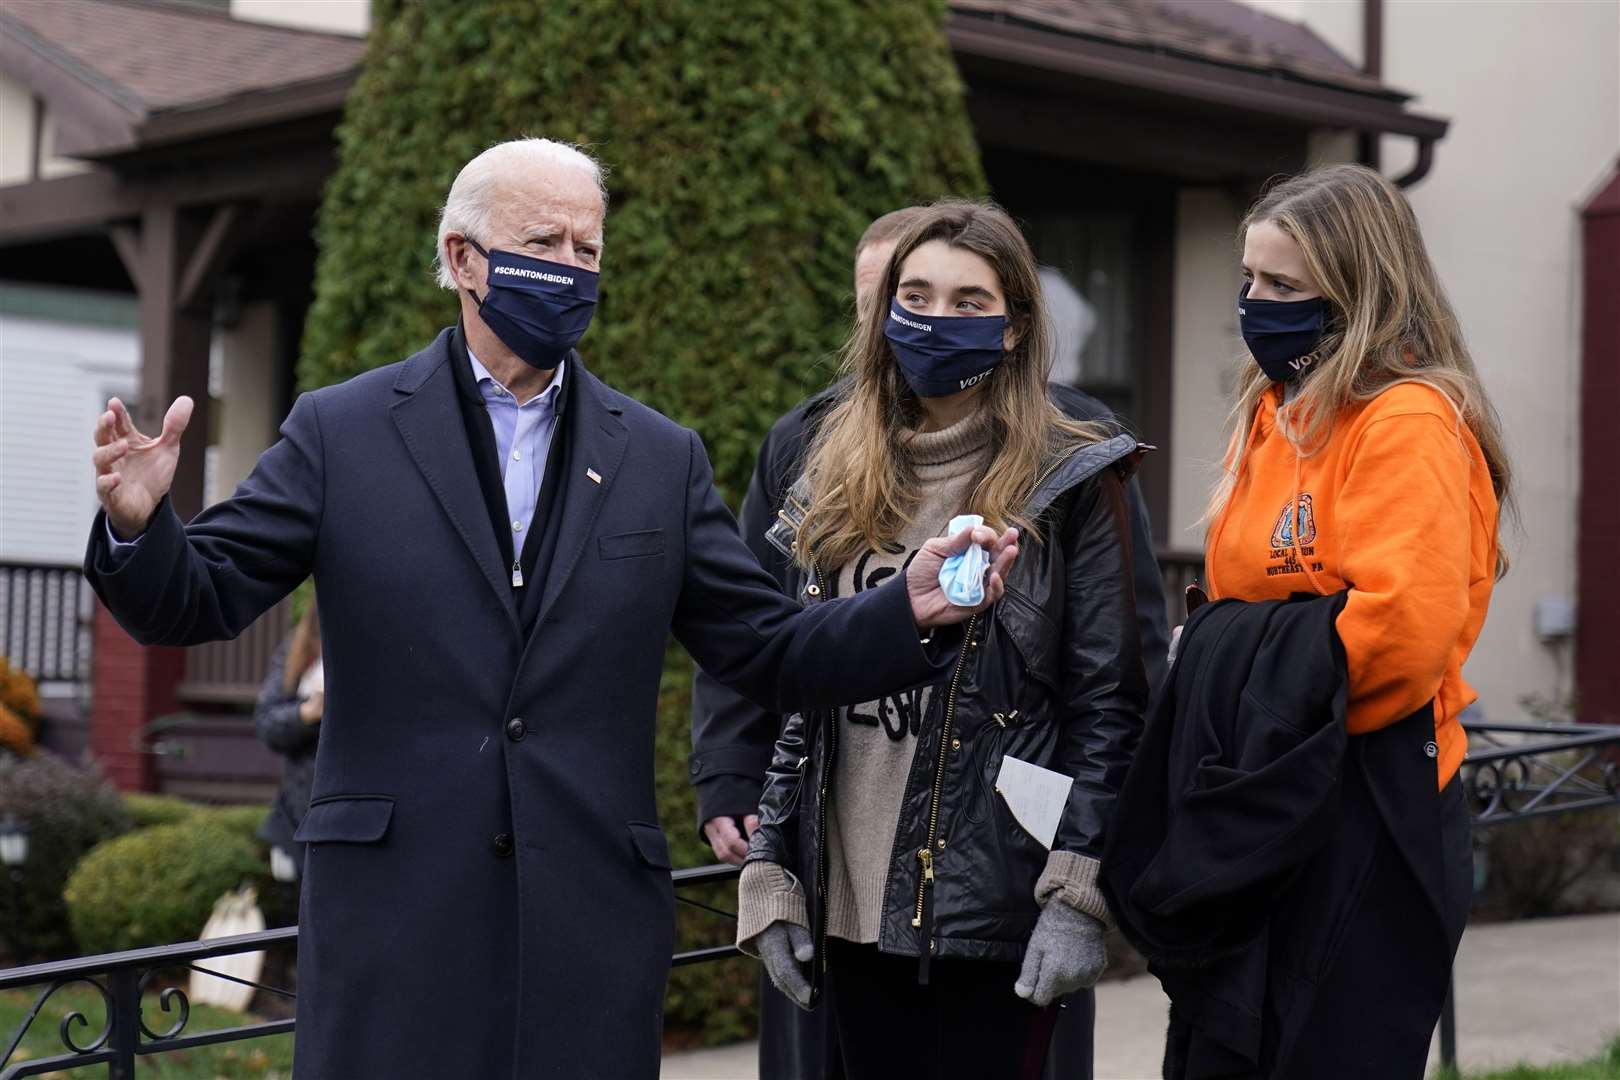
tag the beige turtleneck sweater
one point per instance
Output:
(877, 740)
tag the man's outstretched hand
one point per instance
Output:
(135, 471)
(928, 604)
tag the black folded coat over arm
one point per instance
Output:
(1235, 780)
(1284, 878)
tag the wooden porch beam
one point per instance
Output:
(126, 240)
(45, 209)
(213, 251)
(89, 202)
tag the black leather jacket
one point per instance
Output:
(732, 738)
(1051, 675)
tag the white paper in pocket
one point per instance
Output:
(1036, 797)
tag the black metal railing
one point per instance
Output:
(45, 620)
(127, 981)
(122, 980)
(1519, 771)
(1515, 772)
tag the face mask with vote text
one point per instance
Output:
(944, 355)
(1281, 334)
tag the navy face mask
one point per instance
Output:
(940, 356)
(1281, 334)
(538, 309)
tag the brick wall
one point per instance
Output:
(131, 685)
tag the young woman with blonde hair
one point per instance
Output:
(1365, 459)
(887, 872)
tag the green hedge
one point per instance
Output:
(748, 145)
(148, 810)
(158, 885)
(68, 812)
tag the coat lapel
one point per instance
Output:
(429, 420)
(596, 440)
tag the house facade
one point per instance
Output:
(155, 212)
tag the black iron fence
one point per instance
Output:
(45, 621)
(145, 1017)
(123, 980)
(1515, 772)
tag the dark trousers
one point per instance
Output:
(799, 1045)
(966, 1023)
(1370, 1018)
(1373, 1011)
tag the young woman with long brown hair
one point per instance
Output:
(1365, 460)
(887, 872)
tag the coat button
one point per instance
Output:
(1431, 749)
(516, 729)
(503, 844)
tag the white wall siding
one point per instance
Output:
(54, 379)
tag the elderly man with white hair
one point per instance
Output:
(502, 546)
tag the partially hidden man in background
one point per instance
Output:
(502, 545)
(732, 738)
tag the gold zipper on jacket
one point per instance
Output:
(816, 591)
(926, 854)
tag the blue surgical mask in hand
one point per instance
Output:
(962, 576)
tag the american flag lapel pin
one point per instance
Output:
(596, 477)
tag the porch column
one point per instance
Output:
(171, 255)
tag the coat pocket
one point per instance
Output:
(1034, 636)
(632, 545)
(346, 819)
(650, 844)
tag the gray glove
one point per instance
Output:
(783, 946)
(1065, 954)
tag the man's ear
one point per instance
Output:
(461, 258)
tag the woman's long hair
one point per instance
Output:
(863, 485)
(1388, 321)
(303, 650)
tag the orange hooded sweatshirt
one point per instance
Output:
(1398, 508)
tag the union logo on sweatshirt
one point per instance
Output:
(1282, 538)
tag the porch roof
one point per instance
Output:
(138, 73)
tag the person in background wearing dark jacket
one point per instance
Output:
(287, 718)
(732, 738)
(886, 870)
(1367, 463)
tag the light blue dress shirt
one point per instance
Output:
(522, 444)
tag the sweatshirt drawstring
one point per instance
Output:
(1296, 525)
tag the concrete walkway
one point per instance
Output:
(1542, 991)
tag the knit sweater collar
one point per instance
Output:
(950, 451)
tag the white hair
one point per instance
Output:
(471, 202)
